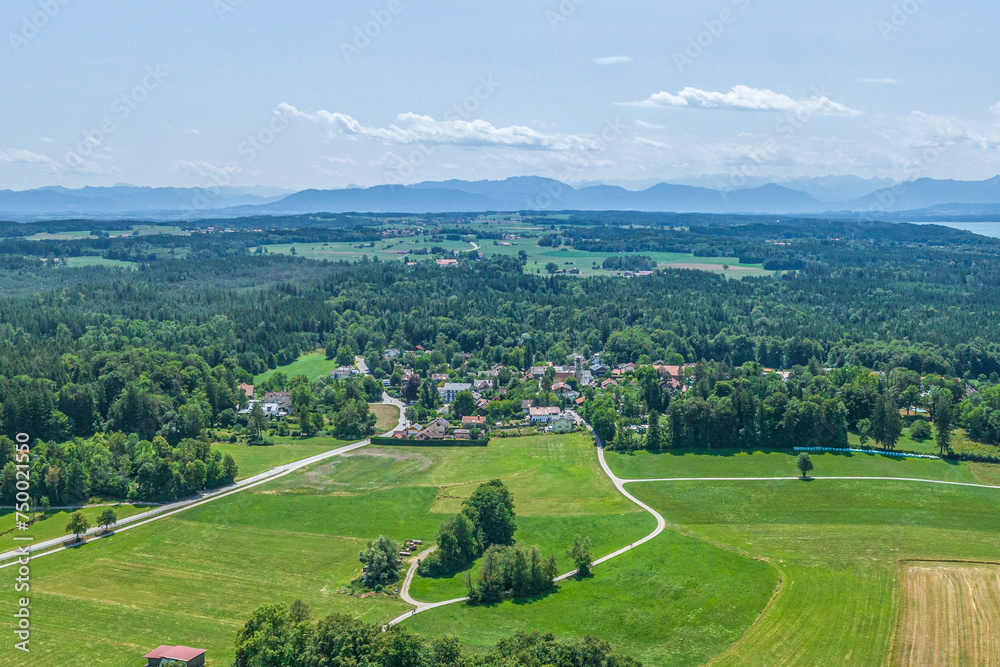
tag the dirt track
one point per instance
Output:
(950, 615)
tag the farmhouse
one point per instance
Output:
(543, 415)
(182, 655)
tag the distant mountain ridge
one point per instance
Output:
(524, 193)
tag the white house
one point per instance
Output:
(452, 389)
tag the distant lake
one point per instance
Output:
(981, 228)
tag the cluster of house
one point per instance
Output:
(274, 404)
(553, 418)
(440, 429)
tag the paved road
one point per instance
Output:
(56, 545)
(661, 523)
(619, 483)
(785, 479)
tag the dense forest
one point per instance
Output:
(158, 353)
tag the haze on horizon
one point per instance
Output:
(325, 95)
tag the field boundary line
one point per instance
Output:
(62, 544)
(799, 479)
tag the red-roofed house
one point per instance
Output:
(190, 657)
(247, 389)
(473, 421)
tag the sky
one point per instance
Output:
(308, 94)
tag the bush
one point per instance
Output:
(920, 430)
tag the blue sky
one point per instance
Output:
(327, 94)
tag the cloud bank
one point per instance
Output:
(411, 128)
(745, 98)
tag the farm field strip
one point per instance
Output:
(175, 508)
(950, 615)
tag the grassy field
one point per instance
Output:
(673, 601)
(312, 365)
(192, 579)
(589, 263)
(255, 460)
(950, 615)
(386, 416)
(727, 463)
(76, 262)
(140, 230)
(838, 545)
(54, 524)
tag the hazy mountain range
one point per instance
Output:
(809, 196)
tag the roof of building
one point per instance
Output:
(247, 389)
(184, 653)
(457, 386)
(473, 420)
(544, 412)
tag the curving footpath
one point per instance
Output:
(661, 524)
(57, 545)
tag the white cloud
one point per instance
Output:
(996, 108)
(883, 81)
(650, 126)
(71, 163)
(652, 143)
(411, 128)
(613, 60)
(745, 98)
(48, 140)
(339, 160)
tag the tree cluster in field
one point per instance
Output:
(278, 635)
(516, 571)
(487, 519)
(629, 263)
(716, 406)
(381, 563)
(117, 466)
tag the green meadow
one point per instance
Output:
(53, 524)
(193, 578)
(313, 365)
(588, 263)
